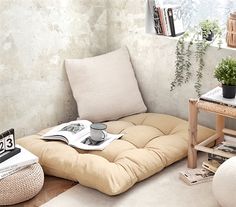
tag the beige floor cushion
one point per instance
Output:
(151, 143)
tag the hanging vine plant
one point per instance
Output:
(194, 43)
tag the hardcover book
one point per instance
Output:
(161, 15)
(157, 21)
(166, 21)
(171, 21)
(174, 19)
(177, 20)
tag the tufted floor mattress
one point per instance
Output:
(150, 143)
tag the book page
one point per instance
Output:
(86, 143)
(69, 132)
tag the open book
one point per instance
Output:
(77, 134)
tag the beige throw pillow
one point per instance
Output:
(105, 87)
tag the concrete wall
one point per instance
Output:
(35, 37)
(153, 58)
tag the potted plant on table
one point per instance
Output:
(225, 73)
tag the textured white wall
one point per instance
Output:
(153, 58)
(35, 37)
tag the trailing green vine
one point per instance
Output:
(188, 59)
(182, 63)
(180, 59)
(184, 51)
(201, 48)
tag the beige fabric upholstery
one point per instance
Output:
(100, 83)
(22, 185)
(151, 142)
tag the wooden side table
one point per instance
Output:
(221, 111)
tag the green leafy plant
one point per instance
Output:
(225, 72)
(210, 28)
(191, 44)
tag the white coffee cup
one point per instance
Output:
(98, 132)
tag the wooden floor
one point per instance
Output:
(52, 187)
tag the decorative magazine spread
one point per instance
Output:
(195, 176)
(77, 134)
(215, 96)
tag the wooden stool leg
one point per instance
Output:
(220, 124)
(193, 118)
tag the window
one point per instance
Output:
(194, 11)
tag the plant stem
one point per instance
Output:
(179, 66)
(199, 55)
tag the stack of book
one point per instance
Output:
(228, 146)
(210, 166)
(214, 161)
(17, 162)
(168, 20)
